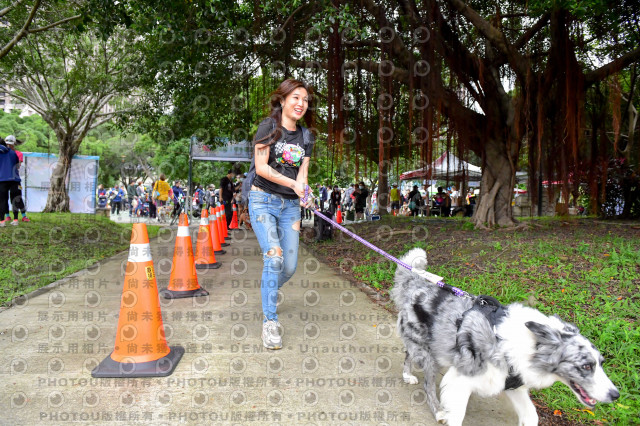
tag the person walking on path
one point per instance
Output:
(361, 193)
(15, 192)
(282, 150)
(9, 164)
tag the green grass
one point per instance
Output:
(55, 245)
(585, 272)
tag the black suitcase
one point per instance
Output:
(323, 230)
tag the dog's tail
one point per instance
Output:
(417, 259)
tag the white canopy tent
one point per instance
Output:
(446, 165)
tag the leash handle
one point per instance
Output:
(307, 192)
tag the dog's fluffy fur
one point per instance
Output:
(525, 349)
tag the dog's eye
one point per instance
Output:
(587, 367)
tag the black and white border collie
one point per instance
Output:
(485, 348)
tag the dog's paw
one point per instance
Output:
(442, 417)
(410, 379)
(531, 420)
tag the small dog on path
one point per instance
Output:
(485, 348)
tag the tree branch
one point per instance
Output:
(528, 35)
(10, 7)
(494, 36)
(23, 31)
(612, 67)
(291, 16)
(55, 24)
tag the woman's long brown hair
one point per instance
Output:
(279, 95)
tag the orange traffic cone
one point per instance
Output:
(141, 348)
(205, 258)
(183, 281)
(215, 234)
(222, 227)
(234, 218)
(339, 216)
(223, 216)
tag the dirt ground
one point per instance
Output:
(455, 243)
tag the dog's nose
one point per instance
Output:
(614, 394)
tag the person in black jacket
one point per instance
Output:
(415, 200)
(336, 196)
(9, 164)
(361, 193)
(227, 191)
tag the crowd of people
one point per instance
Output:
(159, 200)
(363, 201)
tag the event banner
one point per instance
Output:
(229, 151)
(81, 181)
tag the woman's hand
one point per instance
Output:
(298, 188)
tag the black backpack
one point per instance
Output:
(417, 198)
(251, 174)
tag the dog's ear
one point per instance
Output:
(543, 333)
(568, 329)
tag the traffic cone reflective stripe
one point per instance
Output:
(215, 236)
(183, 281)
(234, 218)
(223, 216)
(222, 227)
(141, 348)
(205, 258)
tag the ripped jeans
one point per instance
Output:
(276, 222)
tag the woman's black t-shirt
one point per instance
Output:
(285, 156)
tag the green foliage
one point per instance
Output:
(46, 249)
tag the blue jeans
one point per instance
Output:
(276, 222)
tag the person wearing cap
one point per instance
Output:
(9, 165)
(394, 196)
(15, 192)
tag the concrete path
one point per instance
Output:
(341, 362)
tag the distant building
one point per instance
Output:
(9, 104)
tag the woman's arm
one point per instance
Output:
(263, 169)
(303, 171)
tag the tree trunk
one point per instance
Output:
(496, 188)
(58, 198)
(385, 137)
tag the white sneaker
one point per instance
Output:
(271, 335)
(2, 223)
(15, 222)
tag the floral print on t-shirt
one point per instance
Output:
(289, 154)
